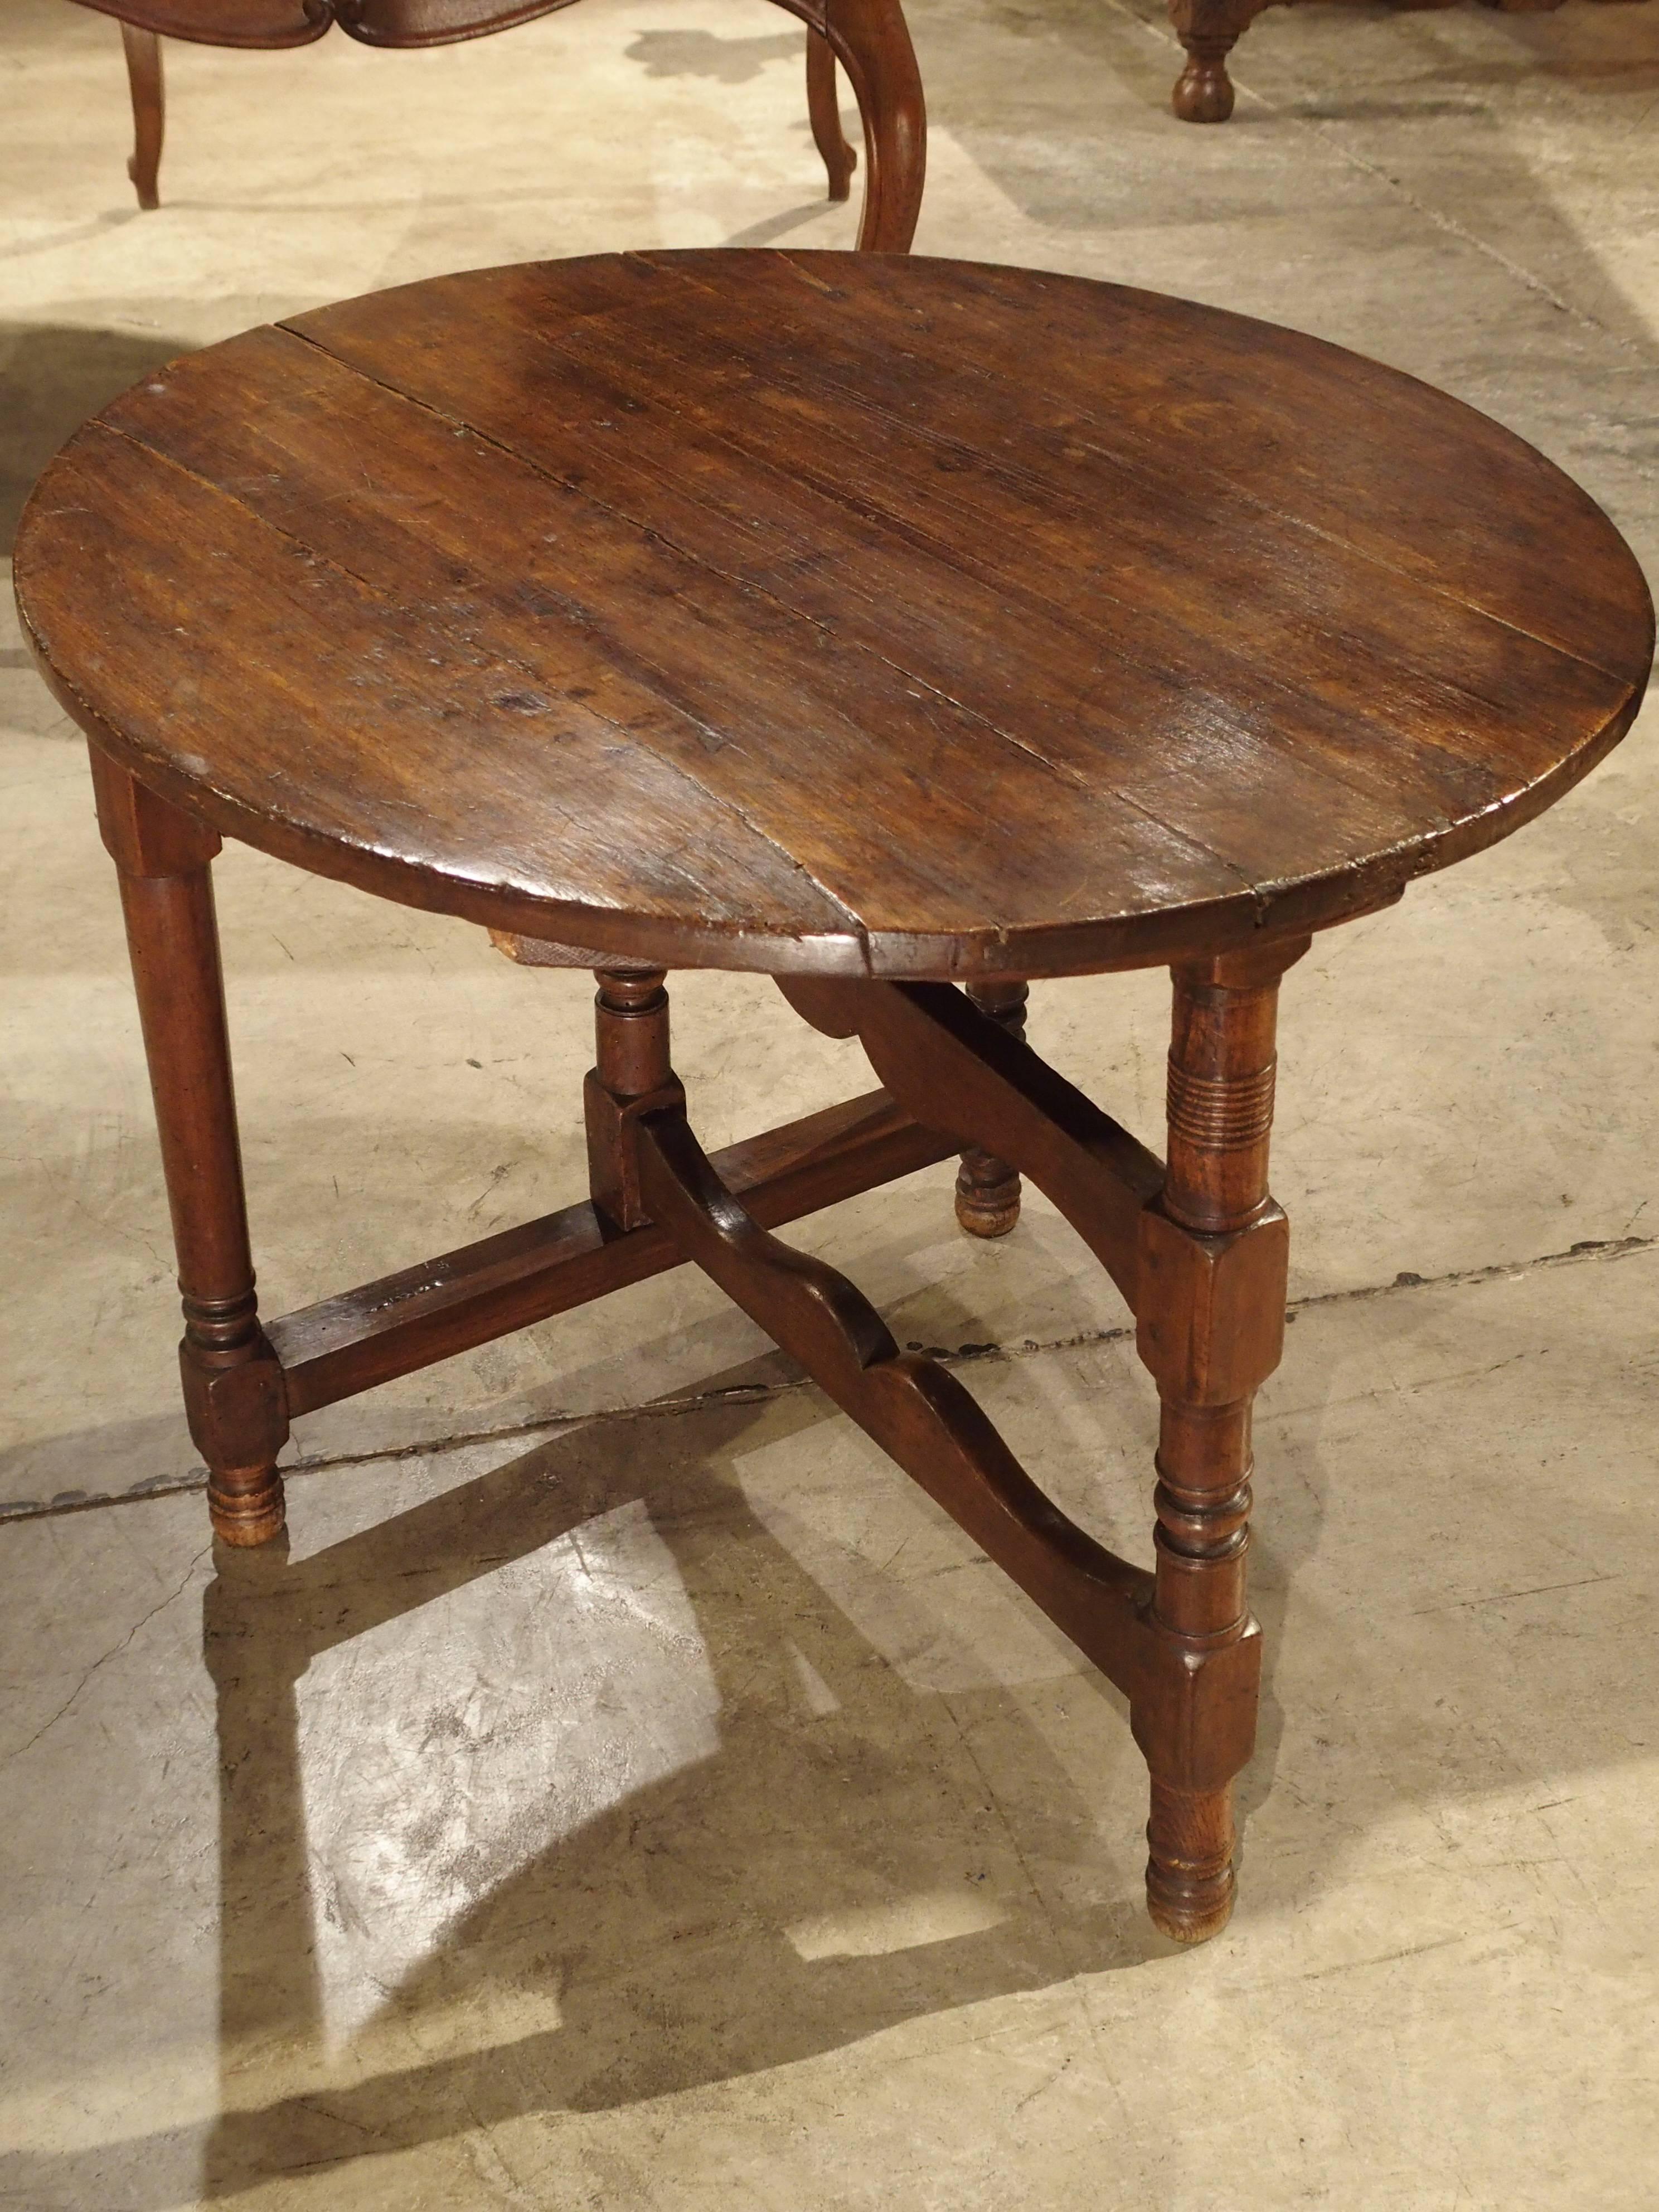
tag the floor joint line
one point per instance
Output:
(696, 1402)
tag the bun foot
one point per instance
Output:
(987, 1204)
(1204, 91)
(247, 1505)
(1188, 1908)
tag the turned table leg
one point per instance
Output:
(149, 89)
(987, 1189)
(234, 1393)
(632, 1076)
(1211, 1325)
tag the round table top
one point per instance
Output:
(828, 613)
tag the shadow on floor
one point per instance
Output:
(702, 53)
(53, 377)
(662, 1933)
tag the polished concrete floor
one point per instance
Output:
(626, 1791)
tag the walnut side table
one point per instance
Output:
(883, 625)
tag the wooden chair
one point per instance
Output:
(868, 38)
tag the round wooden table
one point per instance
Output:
(884, 624)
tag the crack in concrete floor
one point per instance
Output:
(744, 1394)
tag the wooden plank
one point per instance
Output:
(368, 744)
(833, 617)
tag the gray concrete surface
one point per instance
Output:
(630, 1793)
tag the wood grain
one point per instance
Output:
(524, 568)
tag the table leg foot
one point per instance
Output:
(1190, 1886)
(987, 1195)
(1210, 1318)
(1204, 92)
(1209, 30)
(247, 1505)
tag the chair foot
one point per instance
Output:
(823, 109)
(1204, 91)
(146, 83)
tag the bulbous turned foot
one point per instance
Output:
(1188, 1906)
(987, 1195)
(1190, 1884)
(1204, 91)
(247, 1505)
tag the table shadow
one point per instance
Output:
(657, 1929)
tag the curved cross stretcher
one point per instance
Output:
(1196, 1246)
(1198, 1252)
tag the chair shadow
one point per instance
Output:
(704, 54)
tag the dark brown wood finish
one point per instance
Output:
(869, 38)
(1210, 1301)
(775, 611)
(402, 1321)
(987, 1189)
(233, 1384)
(708, 543)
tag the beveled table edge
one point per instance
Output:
(1101, 945)
(1315, 900)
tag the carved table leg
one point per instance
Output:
(146, 83)
(987, 1189)
(824, 109)
(1212, 1327)
(233, 1392)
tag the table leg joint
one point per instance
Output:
(959, 1071)
(1210, 1314)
